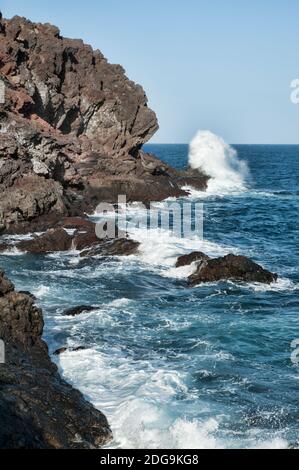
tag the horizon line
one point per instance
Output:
(188, 143)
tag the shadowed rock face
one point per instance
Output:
(185, 260)
(37, 408)
(84, 240)
(72, 128)
(52, 240)
(230, 267)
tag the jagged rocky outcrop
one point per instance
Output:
(72, 131)
(38, 409)
(185, 260)
(83, 238)
(229, 267)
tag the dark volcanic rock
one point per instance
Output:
(193, 179)
(84, 239)
(37, 408)
(5, 285)
(4, 247)
(30, 197)
(60, 351)
(77, 223)
(231, 267)
(80, 124)
(27, 293)
(118, 247)
(78, 348)
(72, 312)
(52, 240)
(190, 258)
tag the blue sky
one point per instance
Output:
(222, 65)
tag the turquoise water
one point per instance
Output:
(177, 367)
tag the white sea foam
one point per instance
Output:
(183, 272)
(160, 249)
(41, 291)
(139, 396)
(137, 399)
(13, 251)
(23, 237)
(276, 443)
(122, 302)
(212, 155)
(282, 284)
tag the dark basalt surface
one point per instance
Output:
(73, 312)
(185, 260)
(63, 350)
(84, 239)
(81, 124)
(230, 267)
(37, 408)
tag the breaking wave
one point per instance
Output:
(213, 156)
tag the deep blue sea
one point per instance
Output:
(179, 367)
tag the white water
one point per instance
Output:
(139, 396)
(133, 410)
(137, 399)
(213, 156)
(160, 248)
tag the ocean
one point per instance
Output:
(179, 367)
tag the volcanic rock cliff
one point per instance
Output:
(37, 408)
(72, 130)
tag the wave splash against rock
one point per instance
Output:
(30, 385)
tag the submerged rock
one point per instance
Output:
(81, 124)
(72, 312)
(60, 351)
(231, 267)
(38, 409)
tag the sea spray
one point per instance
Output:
(213, 156)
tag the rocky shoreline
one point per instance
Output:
(72, 128)
(38, 409)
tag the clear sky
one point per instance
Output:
(222, 65)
